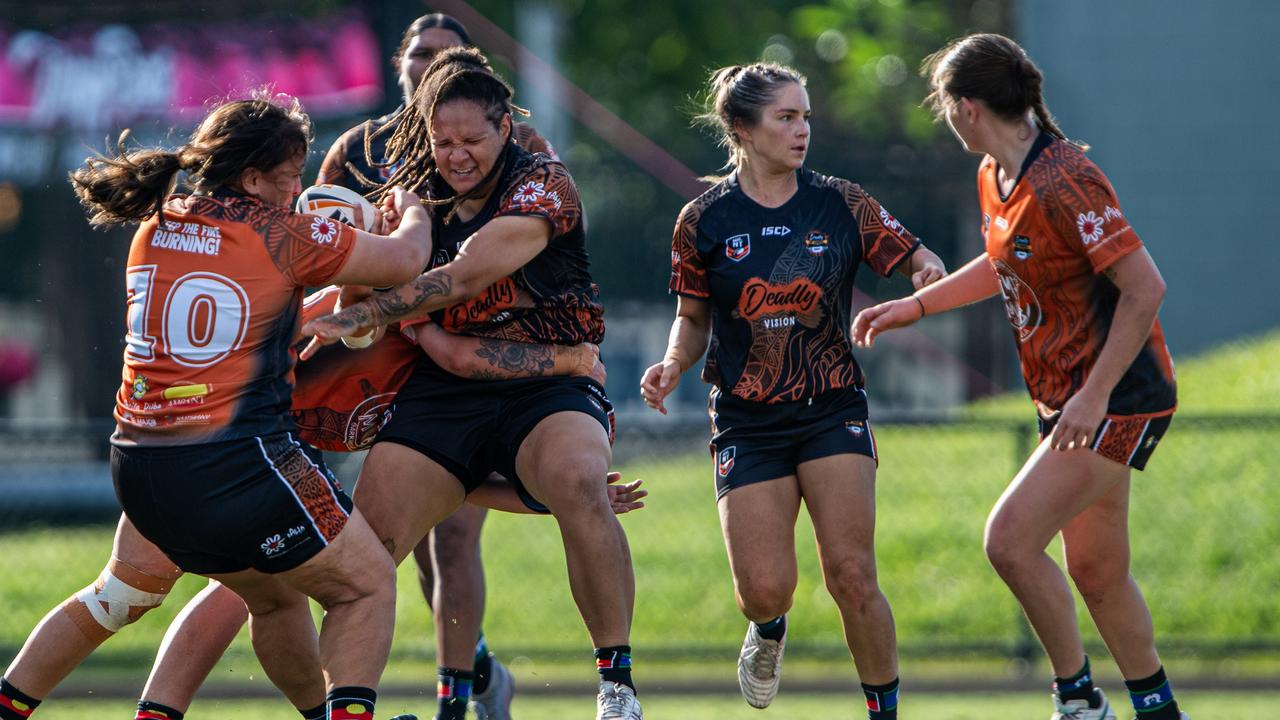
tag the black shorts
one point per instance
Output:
(1127, 439)
(474, 427)
(267, 503)
(753, 442)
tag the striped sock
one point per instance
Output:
(15, 704)
(453, 691)
(351, 703)
(148, 710)
(1152, 697)
(882, 700)
(614, 664)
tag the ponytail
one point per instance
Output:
(125, 187)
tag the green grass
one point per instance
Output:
(1010, 706)
(1204, 528)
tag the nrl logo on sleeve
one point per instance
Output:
(724, 461)
(737, 247)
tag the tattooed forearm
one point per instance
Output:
(517, 359)
(412, 300)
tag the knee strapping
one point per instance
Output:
(120, 595)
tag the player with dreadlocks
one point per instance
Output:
(512, 228)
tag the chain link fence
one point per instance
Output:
(1203, 526)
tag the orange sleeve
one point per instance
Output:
(308, 249)
(1086, 213)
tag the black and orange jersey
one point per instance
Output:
(551, 299)
(343, 397)
(347, 161)
(1049, 242)
(214, 286)
(780, 282)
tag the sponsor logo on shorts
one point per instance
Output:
(1151, 442)
(855, 427)
(140, 386)
(724, 461)
(272, 545)
(737, 247)
(1002, 223)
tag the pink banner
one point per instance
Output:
(107, 76)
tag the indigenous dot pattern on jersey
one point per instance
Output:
(781, 282)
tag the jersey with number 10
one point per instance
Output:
(214, 288)
(780, 282)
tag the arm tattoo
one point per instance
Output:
(401, 302)
(520, 359)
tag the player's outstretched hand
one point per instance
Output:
(657, 383)
(625, 497)
(886, 316)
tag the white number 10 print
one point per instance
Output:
(204, 319)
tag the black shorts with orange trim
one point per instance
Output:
(474, 427)
(1126, 439)
(753, 442)
(267, 503)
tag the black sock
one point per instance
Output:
(1152, 697)
(351, 702)
(614, 664)
(316, 713)
(15, 704)
(483, 667)
(882, 700)
(1076, 687)
(453, 692)
(774, 630)
(148, 710)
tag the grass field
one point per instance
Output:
(1203, 519)
(1020, 706)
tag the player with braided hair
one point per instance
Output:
(511, 226)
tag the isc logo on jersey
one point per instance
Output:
(737, 247)
(776, 230)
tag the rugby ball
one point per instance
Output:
(337, 203)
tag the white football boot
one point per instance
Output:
(1080, 710)
(760, 667)
(495, 702)
(617, 702)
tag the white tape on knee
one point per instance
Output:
(115, 604)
